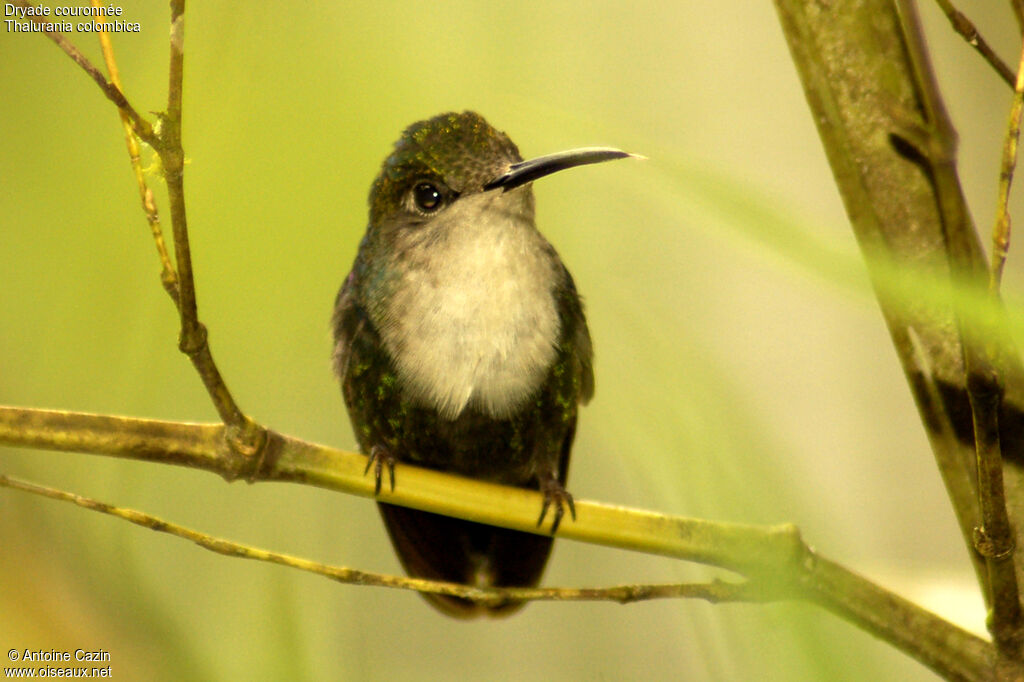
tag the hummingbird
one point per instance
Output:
(461, 345)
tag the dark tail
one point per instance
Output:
(441, 548)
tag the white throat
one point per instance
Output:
(473, 320)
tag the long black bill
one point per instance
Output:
(528, 171)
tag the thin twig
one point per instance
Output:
(966, 28)
(167, 275)
(193, 335)
(244, 435)
(994, 539)
(1018, 11)
(1001, 232)
(774, 558)
(172, 155)
(715, 591)
(112, 91)
(176, 71)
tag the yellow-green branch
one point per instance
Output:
(774, 559)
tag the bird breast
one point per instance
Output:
(472, 321)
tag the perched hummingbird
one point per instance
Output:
(461, 345)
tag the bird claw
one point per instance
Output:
(378, 458)
(555, 495)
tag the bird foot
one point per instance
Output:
(379, 458)
(555, 495)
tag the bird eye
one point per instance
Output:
(427, 197)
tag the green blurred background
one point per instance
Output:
(743, 370)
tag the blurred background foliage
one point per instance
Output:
(744, 372)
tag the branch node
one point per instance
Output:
(249, 440)
(984, 382)
(192, 343)
(990, 547)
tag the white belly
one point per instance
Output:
(478, 327)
